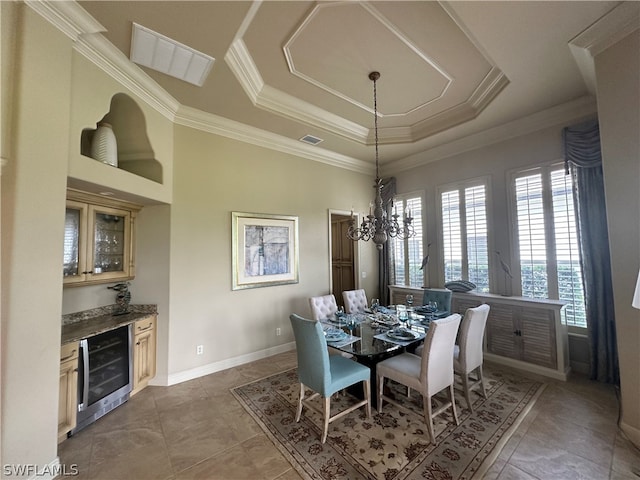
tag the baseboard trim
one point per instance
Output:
(179, 377)
(632, 433)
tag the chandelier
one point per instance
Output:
(377, 226)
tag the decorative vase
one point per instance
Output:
(104, 147)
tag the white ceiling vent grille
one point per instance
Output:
(311, 140)
(154, 50)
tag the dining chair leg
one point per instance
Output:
(481, 378)
(452, 397)
(428, 417)
(300, 398)
(465, 387)
(379, 393)
(327, 414)
(367, 396)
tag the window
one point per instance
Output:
(464, 234)
(547, 240)
(407, 254)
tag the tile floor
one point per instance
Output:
(197, 430)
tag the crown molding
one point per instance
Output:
(608, 30)
(68, 17)
(210, 123)
(244, 68)
(75, 22)
(558, 115)
(241, 63)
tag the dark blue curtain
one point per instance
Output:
(384, 258)
(584, 160)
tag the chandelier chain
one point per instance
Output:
(378, 225)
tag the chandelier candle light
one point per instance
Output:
(377, 226)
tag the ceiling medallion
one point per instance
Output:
(377, 226)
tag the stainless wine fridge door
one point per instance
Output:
(105, 374)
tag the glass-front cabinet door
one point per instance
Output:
(75, 242)
(109, 254)
(98, 243)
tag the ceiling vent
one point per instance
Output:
(311, 140)
(154, 50)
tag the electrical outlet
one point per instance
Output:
(278, 332)
(199, 349)
(364, 274)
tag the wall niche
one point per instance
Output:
(129, 125)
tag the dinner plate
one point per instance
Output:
(402, 334)
(335, 336)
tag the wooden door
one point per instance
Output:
(342, 257)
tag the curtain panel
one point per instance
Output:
(583, 159)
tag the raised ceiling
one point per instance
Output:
(449, 70)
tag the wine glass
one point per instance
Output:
(351, 323)
(375, 303)
(409, 300)
(433, 306)
(403, 315)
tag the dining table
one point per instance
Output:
(370, 337)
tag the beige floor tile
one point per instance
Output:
(509, 472)
(545, 461)
(197, 429)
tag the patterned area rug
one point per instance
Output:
(392, 445)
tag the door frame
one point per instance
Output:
(356, 247)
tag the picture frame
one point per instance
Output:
(265, 250)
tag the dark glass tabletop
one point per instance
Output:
(374, 340)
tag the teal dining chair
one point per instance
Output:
(325, 374)
(440, 295)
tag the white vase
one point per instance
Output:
(104, 147)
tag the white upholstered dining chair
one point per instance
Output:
(323, 306)
(428, 374)
(355, 301)
(467, 355)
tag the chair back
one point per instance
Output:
(471, 337)
(440, 295)
(354, 300)
(313, 358)
(437, 354)
(323, 307)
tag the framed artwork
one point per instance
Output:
(264, 250)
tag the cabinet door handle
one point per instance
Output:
(148, 327)
(89, 271)
(73, 352)
(137, 343)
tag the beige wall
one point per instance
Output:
(213, 177)
(33, 195)
(618, 75)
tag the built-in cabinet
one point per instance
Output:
(144, 353)
(68, 401)
(98, 239)
(522, 332)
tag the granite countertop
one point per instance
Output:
(79, 325)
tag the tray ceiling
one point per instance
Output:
(449, 70)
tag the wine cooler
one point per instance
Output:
(105, 374)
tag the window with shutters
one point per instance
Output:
(546, 239)
(463, 210)
(407, 254)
